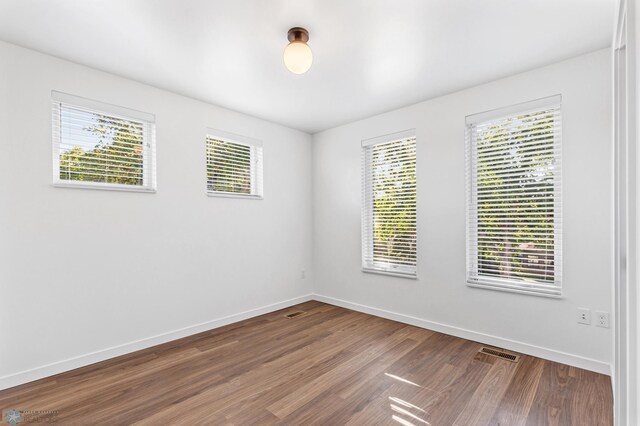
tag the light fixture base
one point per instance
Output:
(298, 34)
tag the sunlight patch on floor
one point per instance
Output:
(402, 380)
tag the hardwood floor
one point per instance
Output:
(331, 366)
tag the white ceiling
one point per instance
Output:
(370, 56)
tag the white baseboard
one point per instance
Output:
(112, 352)
(513, 345)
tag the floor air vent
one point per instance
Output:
(295, 314)
(499, 354)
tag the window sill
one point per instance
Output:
(230, 195)
(103, 187)
(527, 290)
(412, 276)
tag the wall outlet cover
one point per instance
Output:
(584, 316)
(602, 319)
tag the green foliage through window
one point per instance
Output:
(98, 148)
(390, 205)
(233, 168)
(515, 210)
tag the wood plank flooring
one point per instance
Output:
(331, 366)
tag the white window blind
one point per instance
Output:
(514, 206)
(101, 146)
(389, 204)
(234, 165)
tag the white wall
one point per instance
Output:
(88, 270)
(439, 298)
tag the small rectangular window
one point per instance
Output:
(101, 146)
(234, 165)
(389, 204)
(514, 203)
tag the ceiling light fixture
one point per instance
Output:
(297, 54)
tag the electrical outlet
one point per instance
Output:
(584, 316)
(602, 319)
(303, 274)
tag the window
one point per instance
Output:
(101, 146)
(234, 165)
(389, 204)
(513, 199)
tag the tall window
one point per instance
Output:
(234, 165)
(102, 146)
(514, 205)
(389, 204)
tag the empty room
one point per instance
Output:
(319, 212)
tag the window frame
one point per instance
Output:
(473, 278)
(60, 99)
(258, 163)
(395, 270)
